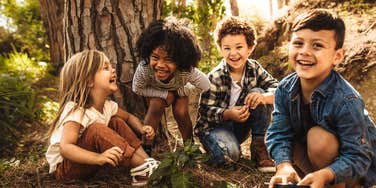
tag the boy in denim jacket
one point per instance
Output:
(321, 131)
(239, 100)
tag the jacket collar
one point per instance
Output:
(324, 89)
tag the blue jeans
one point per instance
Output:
(225, 138)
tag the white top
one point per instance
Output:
(91, 116)
(236, 89)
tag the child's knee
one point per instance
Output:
(221, 144)
(181, 112)
(322, 146)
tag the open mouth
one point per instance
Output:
(162, 73)
(113, 80)
(235, 59)
(305, 63)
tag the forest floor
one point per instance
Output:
(28, 167)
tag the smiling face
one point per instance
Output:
(105, 79)
(235, 51)
(312, 54)
(163, 66)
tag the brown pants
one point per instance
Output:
(98, 138)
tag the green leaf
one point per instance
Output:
(182, 180)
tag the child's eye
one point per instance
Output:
(297, 43)
(154, 58)
(317, 45)
(169, 60)
(226, 49)
(239, 47)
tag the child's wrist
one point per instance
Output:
(284, 165)
(327, 174)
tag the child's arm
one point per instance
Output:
(130, 119)
(71, 151)
(254, 99)
(136, 124)
(210, 103)
(140, 84)
(198, 79)
(352, 126)
(280, 134)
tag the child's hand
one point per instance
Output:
(239, 113)
(254, 99)
(148, 131)
(112, 156)
(318, 178)
(285, 173)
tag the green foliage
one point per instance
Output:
(357, 6)
(17, 98)
(26, 31)
(173, 170)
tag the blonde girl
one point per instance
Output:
(90, 130)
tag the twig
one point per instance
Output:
(38, 177)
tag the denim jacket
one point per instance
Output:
(337, 107)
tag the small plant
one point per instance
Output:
(173, 170)
(17, 97)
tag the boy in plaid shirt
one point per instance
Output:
(239, 100)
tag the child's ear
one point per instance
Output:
(339, 55)
(251, 48)
(91, 83)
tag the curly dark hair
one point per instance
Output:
(321, 19)
(234, 26)
(175, 37)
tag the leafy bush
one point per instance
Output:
(173, 170)
(17, 97)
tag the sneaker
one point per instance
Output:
(260, 156)
(141, 173)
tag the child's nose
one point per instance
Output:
(305, 50)
(161, 63)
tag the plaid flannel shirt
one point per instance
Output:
(214, 101)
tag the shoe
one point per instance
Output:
(260, 156)
(141, 173)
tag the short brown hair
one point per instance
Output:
(321, 19)
(235, 26)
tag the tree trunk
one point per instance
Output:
(271, 8)
(52, 15)
(280, 3)
(234, 7)
(113, 27)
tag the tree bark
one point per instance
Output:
(52, 15)
(271, 8)
(234, 7)
(113, 27)
(280, 3)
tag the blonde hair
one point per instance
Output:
(75, 77)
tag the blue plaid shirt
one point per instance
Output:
(214, 101)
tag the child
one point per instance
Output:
(169, 56)
(239, 100)
(320, 129)
(91, 130)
